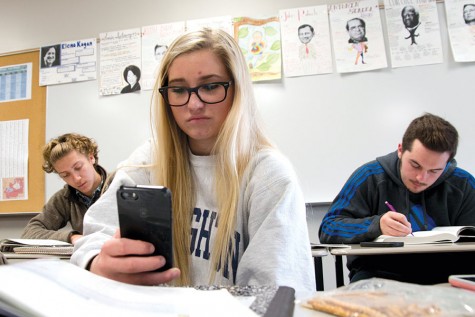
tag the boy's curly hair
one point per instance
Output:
(59, 147)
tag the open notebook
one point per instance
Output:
(58, 288)
(444, 234)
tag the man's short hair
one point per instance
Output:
(304, 26)
(363, 23)
(433, 132)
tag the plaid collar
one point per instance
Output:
(88, 201)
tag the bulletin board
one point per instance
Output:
(34, 110)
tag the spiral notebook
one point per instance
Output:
(36, 246)
(44, 250)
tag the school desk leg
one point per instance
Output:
(339, 270)
(317, 262)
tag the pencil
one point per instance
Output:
(392, 209)
(390, 206)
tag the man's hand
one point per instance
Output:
(395, 224)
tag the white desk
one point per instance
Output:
(408, 248)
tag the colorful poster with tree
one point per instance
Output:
(260, 43)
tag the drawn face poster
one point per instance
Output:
(413, 32)
(305, 35)
(260, 43)
(461, 26)
(68, 62)
(120, 60)
(358, 42)
(155, 42)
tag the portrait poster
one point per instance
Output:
(155, 41)
(358, 41)
(306, 43)
(461, 27)
(68, 62)
(224, 23)
(413, 32)
(14, 162)
(260, 43)
(119, 50)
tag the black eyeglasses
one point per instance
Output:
(210, 93)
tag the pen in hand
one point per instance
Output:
(392, 209)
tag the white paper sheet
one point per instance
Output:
(365, 50)
(413, 44)
(14, 159)
(68, 62)
(118, 50)
(461, 26)
(58, 288)
(155, 42)
(305, 52)
(15, 82)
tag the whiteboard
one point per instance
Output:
(327, 125)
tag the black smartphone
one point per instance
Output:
(373, 244)
(145, 213)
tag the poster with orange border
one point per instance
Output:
(260, 43)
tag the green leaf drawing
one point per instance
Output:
(243, 32)
(272, 58)
(275, 46)
(270, 31)
(264, 67)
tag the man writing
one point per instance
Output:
(427, 189)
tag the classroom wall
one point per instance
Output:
(327, 125)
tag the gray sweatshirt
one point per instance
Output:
(271, 234)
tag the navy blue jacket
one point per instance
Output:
(355, 213)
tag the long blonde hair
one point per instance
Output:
(238, 141)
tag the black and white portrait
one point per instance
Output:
(50, 56)
(410, 18)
